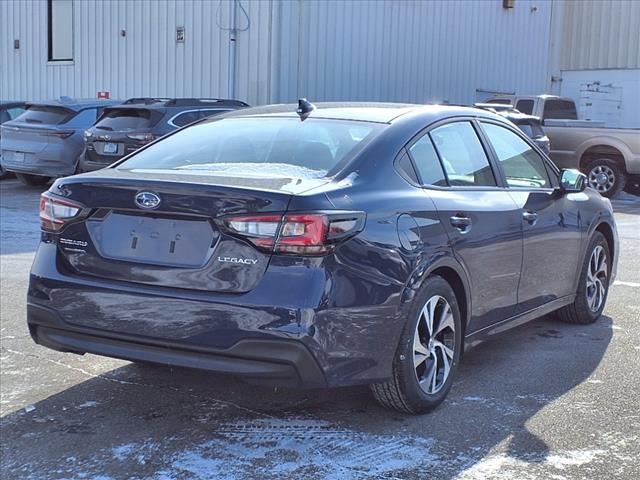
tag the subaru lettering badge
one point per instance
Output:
(147, 200)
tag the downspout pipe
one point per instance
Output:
(233, 34)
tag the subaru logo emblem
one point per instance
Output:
(147, 200)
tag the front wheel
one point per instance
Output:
(593, 287)
(428, 353)
(32, 180)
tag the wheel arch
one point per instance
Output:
(595, 149)
(449, 269)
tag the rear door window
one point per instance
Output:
(560, 109)
(522, 166)
(125, 119)
(46, 114)
(427, 163)
(463, 158)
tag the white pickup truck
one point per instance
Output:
(610, 157)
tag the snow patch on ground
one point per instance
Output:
(298, 448)
(503, 466)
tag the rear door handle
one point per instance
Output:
(461, 222)
(530, 216)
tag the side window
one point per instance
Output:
(525, 106)
(4, 116)
(427, 163)
(186, 118)
(462, 155)
(406, 168)
(522, 166)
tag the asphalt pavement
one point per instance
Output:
(545, 401)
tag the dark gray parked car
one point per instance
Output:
(8, 111)
(124, 129)
(45, 141)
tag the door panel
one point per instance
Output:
(552, 243)
(490, 249)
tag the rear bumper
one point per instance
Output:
(273, 362)
(48, 163)
(291, 318)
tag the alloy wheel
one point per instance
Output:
(434, 344)
(602, 178)
(597, 278)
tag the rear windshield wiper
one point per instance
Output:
(32, 120)
(101, 127)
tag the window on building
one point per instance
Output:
(60, 19)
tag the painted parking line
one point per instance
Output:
(626, 284)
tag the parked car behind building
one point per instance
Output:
(45, 141)
(610, 157)
(8, 111)
(123, 129)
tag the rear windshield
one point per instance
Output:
(266, 146)
(560, 109)
(46, 114)
(124, 119)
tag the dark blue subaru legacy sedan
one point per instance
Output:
(321, 246)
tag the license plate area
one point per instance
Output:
(110, 148)
(18, 157)
(155, 240)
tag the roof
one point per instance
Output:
(77, 104)
(358, 111)
(11, 103)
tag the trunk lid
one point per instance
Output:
(177, 244)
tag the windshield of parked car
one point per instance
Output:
(263, 146)
(125, 119)
(45, 114)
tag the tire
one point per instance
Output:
(403, 392)
(3, 173)
(582, 311)
(605, 176)
(32, 180)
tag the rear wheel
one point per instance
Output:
(428, 354)
(593, 287)
(32, 180)
(606, 176)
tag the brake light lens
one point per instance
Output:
(141, 138)
(59, 134)
(56, 212)
(300, 233)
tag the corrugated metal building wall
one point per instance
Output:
(601, 34)
(411, 50)
(326, 50)
(146, 62)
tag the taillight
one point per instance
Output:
(141, 138)
(56, 212)
(300, 233)
(59, 134)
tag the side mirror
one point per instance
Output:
(572, 180)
